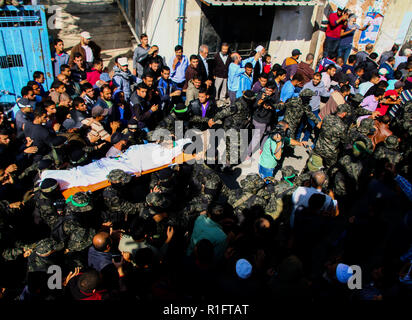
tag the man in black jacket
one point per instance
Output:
(79, 111)
(220, 71)
(141, 109)
(264, 117)
(202, 110)
(36, 131)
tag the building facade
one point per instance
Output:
(279, 25)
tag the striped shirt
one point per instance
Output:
(406, 96)
(96, 130)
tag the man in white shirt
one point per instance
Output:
(302, 195)
(328, 75)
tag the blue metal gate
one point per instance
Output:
(24, 49)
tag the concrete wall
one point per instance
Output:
(292, 28)
(192, 27)
(162, 27)
(392, 21)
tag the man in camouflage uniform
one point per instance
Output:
(179, 113)
(253, 192)
(351, 167)
(390, 150)
(332, 135)
(135, 134)
(43, 255)
(236, 117)
(158, 212)
(73, 228)
(296, 108)
(280, 198)
(57, 155)
(40, 255)
(117, 208)
(7, 230)
(362, 133)
(165, 180)
(50, 204)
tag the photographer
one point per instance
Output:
(271, 157)
(263, 118)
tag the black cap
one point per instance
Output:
(45, 164)
(49, 185)
(296, 52)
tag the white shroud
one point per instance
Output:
(137, 158)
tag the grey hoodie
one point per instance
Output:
(123, 81)
(320, 90)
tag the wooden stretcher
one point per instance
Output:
(181, 158)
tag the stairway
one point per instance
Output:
(102, 18)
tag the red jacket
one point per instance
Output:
(333, 30)
(93, 76)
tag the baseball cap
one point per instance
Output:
(123, 62)
(25, 103)
(71, 124)
(86, 35)
(243, 268)
(99, 111)
(296, 52)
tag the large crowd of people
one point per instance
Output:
(180, 233)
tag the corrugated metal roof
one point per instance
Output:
(261, 2)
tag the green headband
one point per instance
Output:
(78, 205)
(355, 146)
(179, 111)
(290, 177)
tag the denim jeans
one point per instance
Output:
(330, 45)
(344, 52)
(266, 172)
(309, 129)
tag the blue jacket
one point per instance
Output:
(59, 61)
(235, 70)
(288, 91)
(166, 87)
(391, 72)
(245, 83)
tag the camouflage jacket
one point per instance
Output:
(118, 209)
(236, 116)
(332, 134)
(294, 111)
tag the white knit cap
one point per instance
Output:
(123, 62)
(259, 48)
